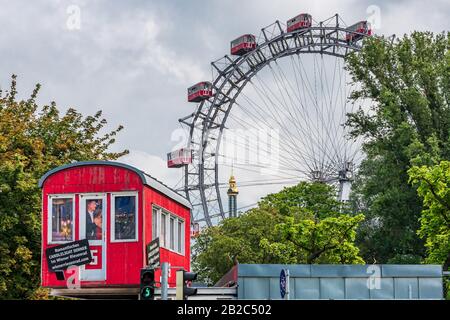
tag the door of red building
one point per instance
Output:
(93, 226)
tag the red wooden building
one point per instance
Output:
(119, 209)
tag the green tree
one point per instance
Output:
(34, 140)
(300, 224)
(434, 188)
(408, 85)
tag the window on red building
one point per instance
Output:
(171, 229)
(172, 233)
(124, 218)
(154, 223)
(163, 235)
(61, 219)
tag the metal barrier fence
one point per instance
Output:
(258, 281)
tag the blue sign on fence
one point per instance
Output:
(282, 283)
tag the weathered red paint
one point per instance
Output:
(124, 259)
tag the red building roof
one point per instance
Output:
(146, 178)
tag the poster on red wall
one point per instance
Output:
(74, 253)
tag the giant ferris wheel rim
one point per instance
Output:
(323, 40)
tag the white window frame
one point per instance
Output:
(175, 224)
(183, 230)
(113, 216)
(93, 274)
(50, 217)
(163, 213)
(156, 232)
(82, 197)
(160, 211)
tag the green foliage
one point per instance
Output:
(34, 140)
(300, 224)
(434, 187)
(408, 84)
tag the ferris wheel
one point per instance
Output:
(273, 115)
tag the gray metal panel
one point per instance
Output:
(411, 270)
(406, 288)
(307, 288)
(274, 288)
(332, 288)
(356, 288)
(274, 284)
(385, 290)
(256, 288)
(292, 288)
(240, 288)
(333, 271)
(430, 288)
(273, 270)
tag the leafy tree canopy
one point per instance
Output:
(300, 224)
(434, 187)
(408, 123)
(34, 140)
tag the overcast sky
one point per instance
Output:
(135, 59)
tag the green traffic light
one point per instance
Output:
(147, 292)
(147, 284)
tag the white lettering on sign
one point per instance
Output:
(94, 254)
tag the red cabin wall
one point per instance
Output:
(124, 259)
(154, 197)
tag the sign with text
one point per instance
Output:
(153, 253)
(75, 253)
(282, 283)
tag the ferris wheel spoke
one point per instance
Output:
(274, 164)
(340, 93)
(304, 110)
(319, 115)
(275, 118)
(333, 126)
(265, 87)
(285, 174)
(281, 117)
(285, 160)
(307, 93)
(258, 149)
(324, 151)
(293, 115)
(245, 124)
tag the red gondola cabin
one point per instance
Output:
(119, 210)
(243, 44)
(200, 91)
(357, 31)
(179, 158)
(301, 21)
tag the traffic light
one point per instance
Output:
(183, 290)
(148, 284)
